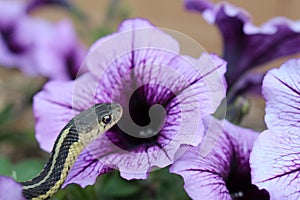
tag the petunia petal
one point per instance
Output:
(132, 165)
(85, 170)
(10, 189)
(224, 170)
(250, 82)
(281, 89)
(130, 38)
(246, 45)
(57, 104)
(275, 157)
(275, 164)
(11, 11)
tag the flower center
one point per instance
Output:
(240, 188)
(12, 45)
(143, 120)
(70, 62)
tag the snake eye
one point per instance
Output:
(106, 119)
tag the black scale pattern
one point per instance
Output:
(58, 167)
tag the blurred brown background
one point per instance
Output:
(172, 14)
(163, 13)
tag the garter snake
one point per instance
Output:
(74, 137)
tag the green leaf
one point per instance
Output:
(6, 113)
(28, 169)
(5, 167)
(74, 191)
(100, 32)
(238, 110)
(115, 186)
(168, 186)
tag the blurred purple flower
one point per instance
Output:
(36, 46)
(245, 45)
(225, 172)
(138, 67)
(10, 189)
(275, 160)
(33, 4)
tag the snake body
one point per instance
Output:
(73, 138)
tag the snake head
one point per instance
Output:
(96, 120)
(108, 114)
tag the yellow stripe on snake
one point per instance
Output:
(73, 138)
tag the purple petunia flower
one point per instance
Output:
(275, 160)
(36, 46)
(164, 96)
(10, 189)
(225, 172)
(245, 45)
